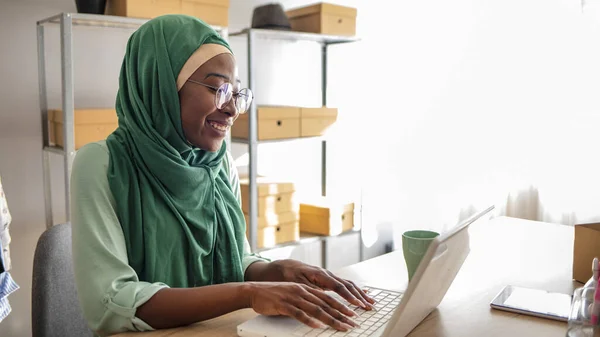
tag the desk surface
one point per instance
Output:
(503, 251)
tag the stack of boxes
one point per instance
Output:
(278, 211)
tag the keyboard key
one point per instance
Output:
(303, 329)
(373, 292)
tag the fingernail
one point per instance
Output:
(346, 326)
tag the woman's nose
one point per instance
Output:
(229, 108)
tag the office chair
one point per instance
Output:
(55, 309)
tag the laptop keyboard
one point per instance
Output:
(369, 321)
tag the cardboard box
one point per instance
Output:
(316, 121)
(272, 204)
(274, 195)
(326, 217)
(275, 235)
(274, 219)
(324, 18)
(213, 12)
(273, 122)
(585, 248)
(90, 125)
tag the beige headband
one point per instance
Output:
(198, 58)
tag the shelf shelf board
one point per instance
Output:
(283, 140)
(108, 21)
(306, 238)
(296, 36)
(54, 149)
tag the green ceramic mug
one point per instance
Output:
(414, 247)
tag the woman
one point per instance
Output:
(158, 231)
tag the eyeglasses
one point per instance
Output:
(224, 94)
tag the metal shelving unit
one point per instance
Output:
(252, 35)
(67, 22)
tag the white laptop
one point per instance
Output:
(397, 313)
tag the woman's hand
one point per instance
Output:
(314, 277)
(306, 304)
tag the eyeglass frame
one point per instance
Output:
(233, 94)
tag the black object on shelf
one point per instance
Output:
(270, 16)
(91, 6)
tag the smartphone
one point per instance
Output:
(533, 302)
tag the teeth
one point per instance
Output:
(218, 126)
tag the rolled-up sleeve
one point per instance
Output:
(108, 288)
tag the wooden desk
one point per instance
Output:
(503, 251)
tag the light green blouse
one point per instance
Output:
(108, 288)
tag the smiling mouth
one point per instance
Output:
(218, 126)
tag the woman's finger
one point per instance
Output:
(332, 283)
(356, 291)
(318, 312)
(290, 310)
(334, 307)
(307, 282)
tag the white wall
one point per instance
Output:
(489, 101)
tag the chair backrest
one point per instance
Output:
(55, 309)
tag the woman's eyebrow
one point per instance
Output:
(221, 76)
(216, 75)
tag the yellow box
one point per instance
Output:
(585, 248)
(274, 195)
(275, 235)
(272, 204)
(273, 122)
(326, 217)
(324, 18)
(213, 12)
(274, 219)
(90, 125)
(316, 121)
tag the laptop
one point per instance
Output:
(397, 313)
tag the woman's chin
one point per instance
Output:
(212, 145)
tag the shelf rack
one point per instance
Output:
(252, 35)
(67, 22)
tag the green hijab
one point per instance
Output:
(183, 225)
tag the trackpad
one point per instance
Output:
(269, 326)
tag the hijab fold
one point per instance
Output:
(182, 223)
